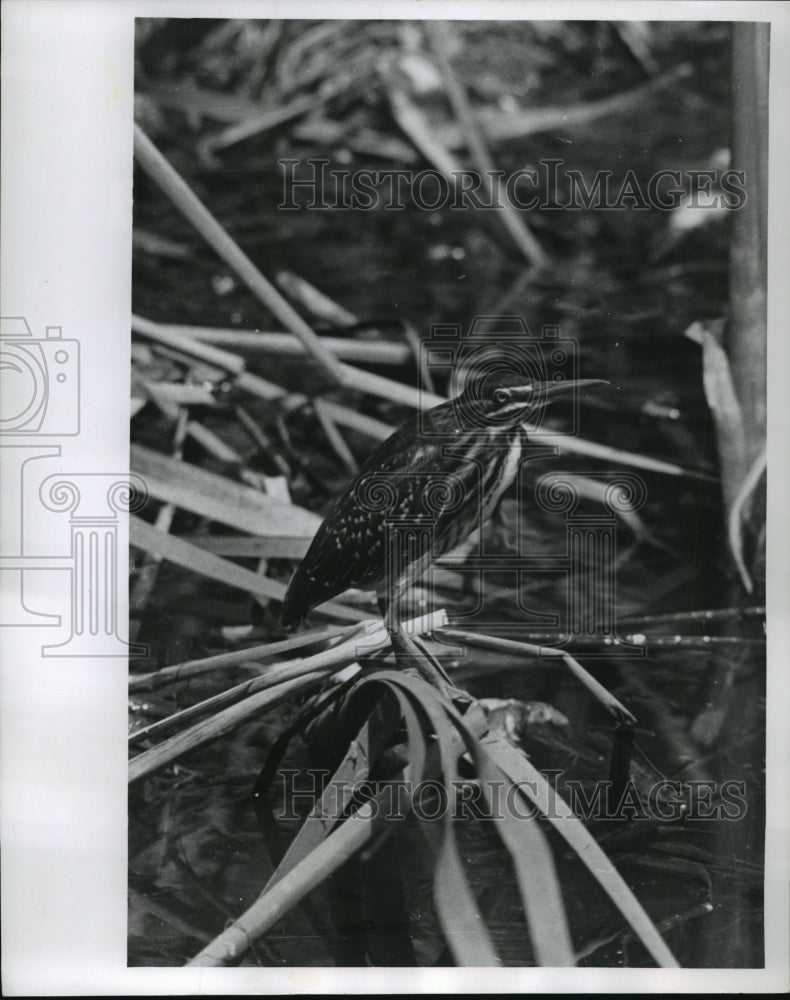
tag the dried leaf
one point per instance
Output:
(218, 498)
(158, 543)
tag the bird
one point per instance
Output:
(425, 489)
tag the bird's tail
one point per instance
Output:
(294, 609)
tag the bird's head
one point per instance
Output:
(507, 399)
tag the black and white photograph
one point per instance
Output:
(407, 489)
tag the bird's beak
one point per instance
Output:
(549, 391)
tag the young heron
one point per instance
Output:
(446, 469)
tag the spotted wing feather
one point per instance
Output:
(350, 547)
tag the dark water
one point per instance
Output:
(195, 847)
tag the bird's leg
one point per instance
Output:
(408, 654)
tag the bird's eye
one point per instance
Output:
(501, 396)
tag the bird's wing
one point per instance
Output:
(402, 484)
